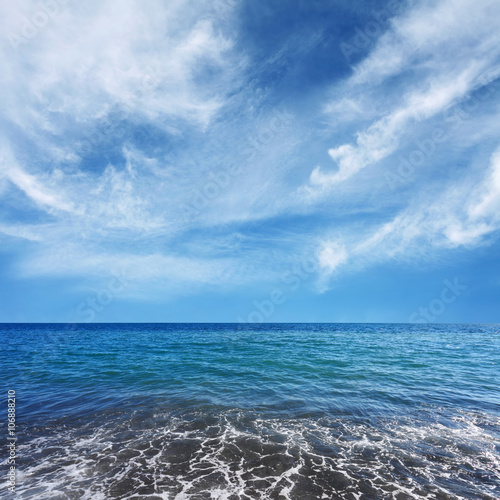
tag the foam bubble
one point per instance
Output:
(237, 455)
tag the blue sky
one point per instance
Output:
(250, 161)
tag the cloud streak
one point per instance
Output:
(420, 43)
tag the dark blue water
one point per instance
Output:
(297, 411)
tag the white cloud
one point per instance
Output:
(93, 57)
(42, 193)
(443, 53)
(463, 215)
(382, 137)
(432, 36)
(487, 202)
(167, 65)
(332, 255)
(172, 66)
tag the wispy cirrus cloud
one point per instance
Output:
(417, 50)
(464, 215)
(150, 62)
(409, 89)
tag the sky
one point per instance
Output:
(250, 161)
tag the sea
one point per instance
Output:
(252, 411)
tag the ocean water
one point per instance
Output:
(277, 411)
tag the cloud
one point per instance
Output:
(87, 80)
(91, 58)
(41, 193)
(431, 36)
(434, 224)
(487, 203)
(332, 255)
(418, 50)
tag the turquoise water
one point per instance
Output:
(298, 411)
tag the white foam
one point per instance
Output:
(357, 451)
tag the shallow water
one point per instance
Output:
(297, 411)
